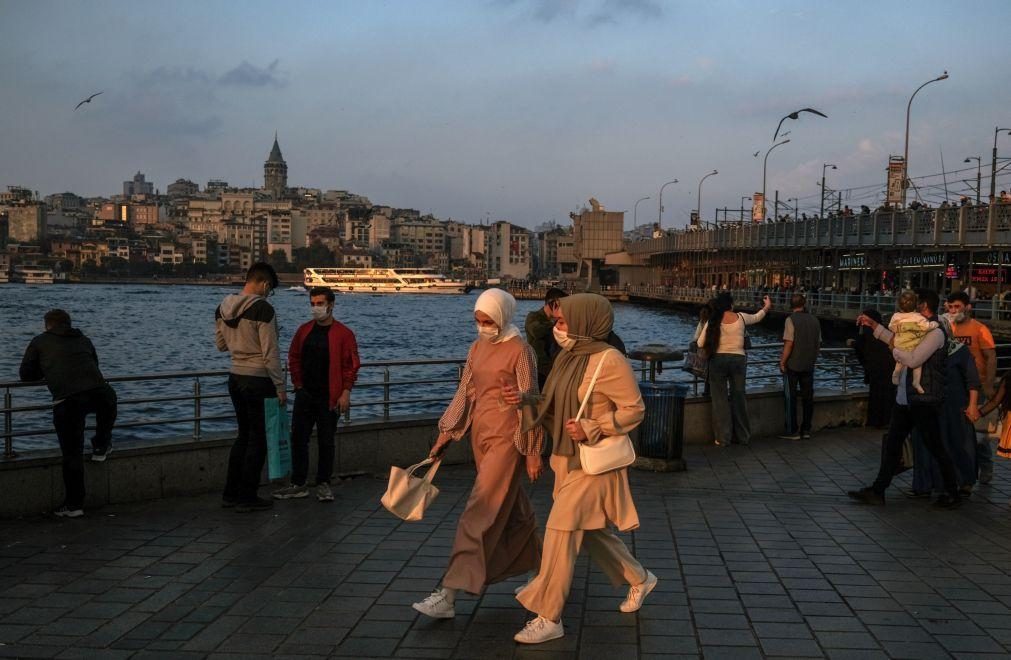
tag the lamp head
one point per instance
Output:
(943, 76)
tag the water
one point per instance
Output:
(143, 329)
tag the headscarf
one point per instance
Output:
(590, 319)
(500, 306)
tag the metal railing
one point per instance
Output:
(840, 367)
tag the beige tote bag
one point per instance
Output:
(407, 496)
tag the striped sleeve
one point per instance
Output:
(456, 420)
(528, 443)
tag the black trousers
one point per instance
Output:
(804, 381)
(312, 409)
(923, 418)
(245, 462)
(69, 419)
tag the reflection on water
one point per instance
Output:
(141, 329)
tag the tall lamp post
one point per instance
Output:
(635, 211)
(743, 197)
(993, 167)
(978, 173)
(659, 212)
(905, 151)
(823, 168)
(796, 207)
(714, 172)
(765, 166)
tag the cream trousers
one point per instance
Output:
(546, 594)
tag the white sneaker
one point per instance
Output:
(436, 606)
(539, 630)
(292, 492)
(68, 512)
(637, 593)
(323, 492)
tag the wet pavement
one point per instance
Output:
(758, 551)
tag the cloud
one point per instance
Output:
(588, 13)
(248, 75)
(602, 65)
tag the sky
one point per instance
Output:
(516, 110)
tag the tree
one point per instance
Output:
(279, 260)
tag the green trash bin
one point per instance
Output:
(660, 442)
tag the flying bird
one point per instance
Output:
(795, 115)
(87, 100)
(755, 155)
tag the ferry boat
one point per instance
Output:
(33, 275)
(383, 280)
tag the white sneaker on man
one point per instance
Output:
(436, 606)
(637, 594)
(292, 492)
(540, 630)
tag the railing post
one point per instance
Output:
(845, 372)
(386, 393)
(8, 424)
(196, 409)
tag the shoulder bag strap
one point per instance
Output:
(593, 381)
(435, 463)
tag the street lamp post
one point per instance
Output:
(796, 207)
(765, 166)
(659, 213)
(993, 167)
(978, 173)
(700, 192)
(905, 151)
(635, 211)
(823, 168)
(743, 197)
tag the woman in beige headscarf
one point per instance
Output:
(496, 537)
(584, 504)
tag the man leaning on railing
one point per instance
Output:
(67, 360)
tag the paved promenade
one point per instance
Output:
(758, 551)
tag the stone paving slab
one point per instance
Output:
(758, 550)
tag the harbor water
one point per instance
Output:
(145, 329)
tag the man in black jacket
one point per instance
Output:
(66, 359)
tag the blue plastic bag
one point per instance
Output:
(278, 439)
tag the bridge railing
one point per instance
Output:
(173, 404)
(963, 226)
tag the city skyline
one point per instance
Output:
(517, 110)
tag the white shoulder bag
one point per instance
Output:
(610, 453)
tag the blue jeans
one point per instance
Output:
(726, 391)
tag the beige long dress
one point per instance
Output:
(496, 537)
(585, 504)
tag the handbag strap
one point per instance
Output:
(435, 463)
(593, 381)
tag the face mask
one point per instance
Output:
(956, 317)
(486, 333)
(320, 313)
(563, 339)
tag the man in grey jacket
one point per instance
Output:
(246, 326)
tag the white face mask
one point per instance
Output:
(563, 339)
(486, 333)
(320, 313)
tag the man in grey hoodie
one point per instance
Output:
(246, 326)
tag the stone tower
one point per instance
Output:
(275, 172)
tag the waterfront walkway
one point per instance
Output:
(758, 551)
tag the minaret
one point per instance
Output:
(275, 172)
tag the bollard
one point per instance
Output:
(196, 408)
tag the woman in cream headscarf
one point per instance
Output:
(497, 535)
(584, 504)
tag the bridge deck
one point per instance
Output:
(758, 551)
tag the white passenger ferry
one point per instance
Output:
(383, 280)
(33, 275)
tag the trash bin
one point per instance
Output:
(660, 442)
(660, 439)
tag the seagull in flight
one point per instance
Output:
(755, 155)
(795, 115)
(87, 100)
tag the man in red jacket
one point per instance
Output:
(323, 362)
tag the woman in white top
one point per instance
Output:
(728, 366)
